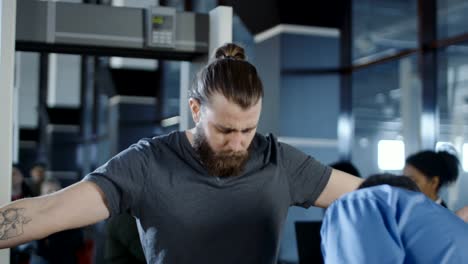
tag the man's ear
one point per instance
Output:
(195, 108)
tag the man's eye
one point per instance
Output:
(223, 131)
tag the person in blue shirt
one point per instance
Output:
(388, 220)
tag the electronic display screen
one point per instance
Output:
(162, 23)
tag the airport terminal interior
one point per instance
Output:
(369, 82)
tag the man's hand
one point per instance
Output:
(463, 213)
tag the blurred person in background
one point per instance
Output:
(432, 170)
(387, 220)
(19, 187)
(37, 173)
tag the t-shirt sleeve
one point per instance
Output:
(122, 178)
(306, 176)
(360, 231)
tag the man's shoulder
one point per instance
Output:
(153, 146)
(263, 144)
(166, 139)
(262, 139)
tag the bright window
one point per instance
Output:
(465, 157)
(391, 154)
(442, 145)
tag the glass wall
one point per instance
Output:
(389, 89)
(380, 96)
(452, 100)
(451, 18)
(382, 28)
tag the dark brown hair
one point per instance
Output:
(431, 164)
(390, 179)
(230, 75)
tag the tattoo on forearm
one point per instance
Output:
(11, 222)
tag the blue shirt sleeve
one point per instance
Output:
(356, 231)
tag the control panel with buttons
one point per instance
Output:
(161, 22)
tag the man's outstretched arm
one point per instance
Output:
(339, 183)
(34, 218)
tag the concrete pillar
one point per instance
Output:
(7, 56)
(220, 33)
(411, 109)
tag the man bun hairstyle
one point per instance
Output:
(230, 51)
(431, 164)
(231, 75)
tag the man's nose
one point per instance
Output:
(236, 142)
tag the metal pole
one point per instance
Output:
(345, 118)
(427, 16)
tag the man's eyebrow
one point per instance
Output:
(229, 129)
(224, 128)
(249, 128)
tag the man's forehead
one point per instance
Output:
(232, 112)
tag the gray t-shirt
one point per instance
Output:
(185, 215)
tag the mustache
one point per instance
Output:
(228, 153)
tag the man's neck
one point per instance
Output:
(189, 133)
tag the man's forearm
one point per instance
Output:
(29, 219)
(20, 222)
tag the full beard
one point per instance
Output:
(222, 164)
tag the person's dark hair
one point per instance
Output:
(347, 167)
(39, 164)
(390, 179)
(230, 75)
(431, 164)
